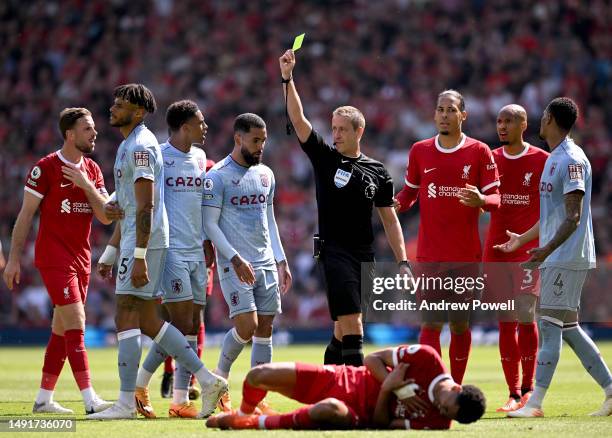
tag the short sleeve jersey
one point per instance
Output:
(243, 194)
(347, 189)
(567, 169)
(65, 214)
(184, 174)
(139, 156)
(520, 201)
(448, 231)
(426, 369)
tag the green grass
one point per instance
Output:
(571, 397)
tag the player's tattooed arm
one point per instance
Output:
(573, 212)
(143, 191)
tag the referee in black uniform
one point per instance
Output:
(348, 184)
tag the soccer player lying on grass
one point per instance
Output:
(406, 387)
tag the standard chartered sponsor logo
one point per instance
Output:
(75, 207)
(515, 199)
(431, 190)
(434, 191)
(65, 206)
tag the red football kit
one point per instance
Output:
(448, 231)
(519, 211)
(62, 251)
(358, 389)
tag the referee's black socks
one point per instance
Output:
(352, 350)
(333, 352)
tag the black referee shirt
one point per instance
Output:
(347, 189)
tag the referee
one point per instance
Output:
(348, 185)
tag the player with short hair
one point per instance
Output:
(184, 278)
(405, 387)
(565, 254)
(349, 185)
(144, 239)
(238, 214)
(454, 176)
(68, 188)
(520, 166)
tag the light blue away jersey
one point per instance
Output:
(567, 169)
(183, 180)
(139, 156)
(243, 195)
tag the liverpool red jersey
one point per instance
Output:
(448, 231)
(65, 214)
(426, 369)
(520, 201)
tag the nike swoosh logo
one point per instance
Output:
(526, 287)
(65, 185)
(344, 161)
(429, 170)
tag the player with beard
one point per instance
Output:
(251, 264)
(69, 189)
(143, 238)
(454, 176)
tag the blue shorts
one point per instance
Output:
(262, 297)
(155, 264)
(184, 280)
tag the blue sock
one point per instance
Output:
(154, 359)
(129, 358)
(182, 376)
(231, 348)
(261, 351)
(171, 340)
(549, 353)
(588, 353)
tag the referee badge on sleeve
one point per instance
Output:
(342, 178)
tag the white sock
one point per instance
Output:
(223, 374)
(537, 397)
(89, 396)
(44, 396)
(608, 391)
(205, 377)
(126, 398)
(180, 396)
(143, 378)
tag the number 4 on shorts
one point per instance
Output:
(558, 282)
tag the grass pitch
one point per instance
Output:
(573, 394)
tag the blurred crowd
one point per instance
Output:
(389, 58)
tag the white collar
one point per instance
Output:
(61, 157)
(451, 150)
(517, 156)
(434, 382)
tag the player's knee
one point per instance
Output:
(185, 326)
(459, 327)
(71, 317)
(331, 411)
(246, 330)
(259, 375)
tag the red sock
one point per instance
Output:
(528, 347)
(168, 365)
(77, 356)
(55, 356)
(510, 355)
(431, 337)
(298, 419)
(201, 339)
(251, 397)
(459, 352)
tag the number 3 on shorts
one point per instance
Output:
(528, 276)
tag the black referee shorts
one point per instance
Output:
(341, 269)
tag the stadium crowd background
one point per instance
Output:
(389, 58)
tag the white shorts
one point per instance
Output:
(561, 288)
(155, 264)
(184, 280)
(262, 297)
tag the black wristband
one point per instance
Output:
(403, 263)
(286, 81)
